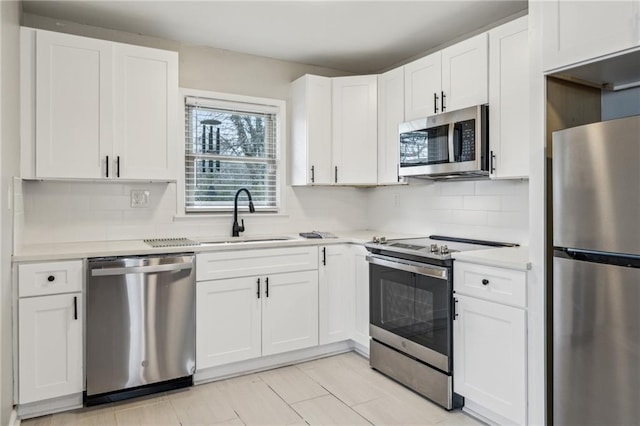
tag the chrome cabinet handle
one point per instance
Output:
(336, 177)
(258, 292)
(118, 166)
(435, 103)
(266, 281)
(455, 309)
(324, 256)
(75, 307)
(313, 174)
(107, 163)
(442, 101)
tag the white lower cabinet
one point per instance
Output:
(361, 266)
(335, 290)
(290, 312)
(244, 318)
(228, 321)
(489, 346)
(50, 347)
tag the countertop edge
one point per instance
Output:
(516, 258)
(93, 249)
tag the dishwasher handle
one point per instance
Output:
(141, 269)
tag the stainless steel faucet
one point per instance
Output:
(237, 229)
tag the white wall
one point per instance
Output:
(56, 212)
(491, 210)
(624, 103)
(9, 159)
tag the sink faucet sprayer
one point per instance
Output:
(237, 229)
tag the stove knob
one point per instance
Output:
(444, 250)
(383, 240)
(376, 239)
(434, 248)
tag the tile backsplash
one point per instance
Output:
(54, 212)
(492, 210)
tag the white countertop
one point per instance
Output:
(79, 250)
(503, 257)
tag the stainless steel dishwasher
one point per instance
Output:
(140, 329)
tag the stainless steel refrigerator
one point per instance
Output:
(596, 274)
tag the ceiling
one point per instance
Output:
(354, 36)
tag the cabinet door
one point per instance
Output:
(227, 321)
(465, 74)
(311, 131)
(390, 115)
(603, 27)
(509, 99)
(489, 343)
(146, 104)
(423, 84)
(355, 130)
(289, 312)
(74, 104)
(50, 347)
(335, 290)
(361, 267)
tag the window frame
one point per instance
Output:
(229, 100)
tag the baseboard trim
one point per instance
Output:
(49, 406)
(484, 415)
(13, 419)
(273, 361)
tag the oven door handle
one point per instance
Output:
(409, 266)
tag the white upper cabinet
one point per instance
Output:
(577, 31)
(146, 95)
(74, 101)
(464, 74)
(334, 130)
(452, 79)
(96, 109)
(390, 115)
(509, 100)
(311, 131)
(423, 87)
(355, 130)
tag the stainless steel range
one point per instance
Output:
(412, 312)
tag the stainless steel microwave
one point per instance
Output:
(449, 145)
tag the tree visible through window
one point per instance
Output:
(227, 149)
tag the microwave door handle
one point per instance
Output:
(452, 152)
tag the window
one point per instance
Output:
(228, 146)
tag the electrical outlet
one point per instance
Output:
(139, 198)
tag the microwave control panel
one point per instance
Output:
(465, 141)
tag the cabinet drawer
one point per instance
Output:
(244, 263)
(38, 279)
(491, 283)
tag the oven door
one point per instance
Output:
(410, 308)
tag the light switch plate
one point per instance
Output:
(139, 198)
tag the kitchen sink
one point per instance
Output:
(236, 240)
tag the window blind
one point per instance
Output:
(228, 146)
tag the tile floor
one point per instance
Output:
(338, 390)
